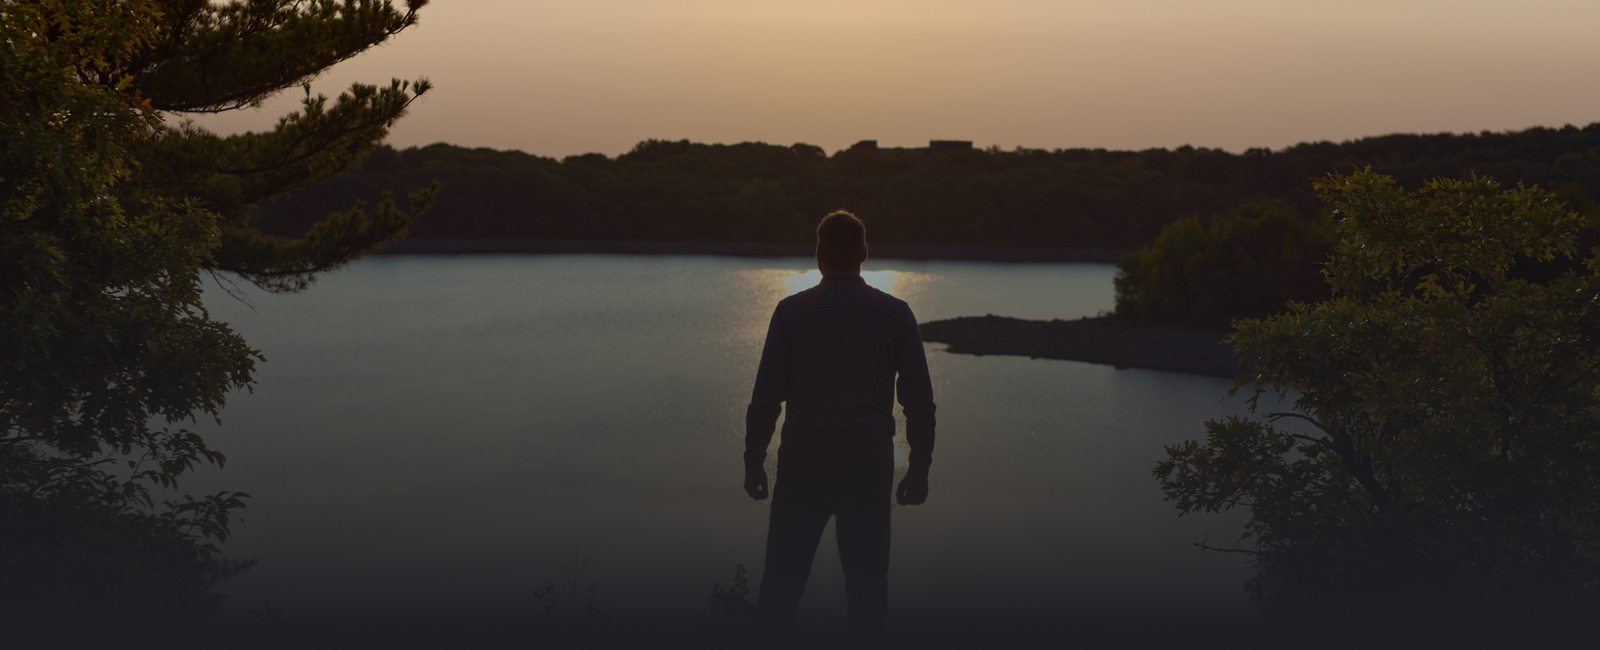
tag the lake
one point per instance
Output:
(433, 437)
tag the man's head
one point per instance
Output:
(841, 243)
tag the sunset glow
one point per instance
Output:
(563, 77)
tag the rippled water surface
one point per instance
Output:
(433, 437)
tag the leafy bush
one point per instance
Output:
(83, 559)
(731, 606)
(1445, 458)
(1247, 264)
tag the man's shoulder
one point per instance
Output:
(885, 300)
(892, 304)
(860, 296)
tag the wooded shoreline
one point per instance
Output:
(758, 192)
(742, 249)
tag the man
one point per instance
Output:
(833, 353)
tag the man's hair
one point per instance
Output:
(841, 239)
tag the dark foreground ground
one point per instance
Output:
(1109, 341)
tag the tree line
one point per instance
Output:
(756, 192)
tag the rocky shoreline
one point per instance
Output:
(1114, 342)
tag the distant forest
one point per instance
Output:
(755, 192)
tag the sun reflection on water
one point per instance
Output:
(761, 289)
(894, 283)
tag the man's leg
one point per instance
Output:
(863, 532)
(799, 515)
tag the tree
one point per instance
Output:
(1442, 452)
(109, 217)
(1247, 264)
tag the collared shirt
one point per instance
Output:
(839, 353)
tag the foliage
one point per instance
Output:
(568, 605)
(755, 192)
(1245, 265)
(731, 606)
(109, 217)
(1445, 458)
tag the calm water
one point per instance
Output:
(433, 437)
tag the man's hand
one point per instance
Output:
(755, 484)
(913, 491)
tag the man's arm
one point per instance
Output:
(766, 403)
(915, 392)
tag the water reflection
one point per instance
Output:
(900, 284)
(761, 289)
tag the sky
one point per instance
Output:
(565, 77)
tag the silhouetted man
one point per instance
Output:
(833, 353)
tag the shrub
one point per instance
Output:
(1247, 264)
(1446, 456)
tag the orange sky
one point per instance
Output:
(564, 77)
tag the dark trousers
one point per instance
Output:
(802, 502)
